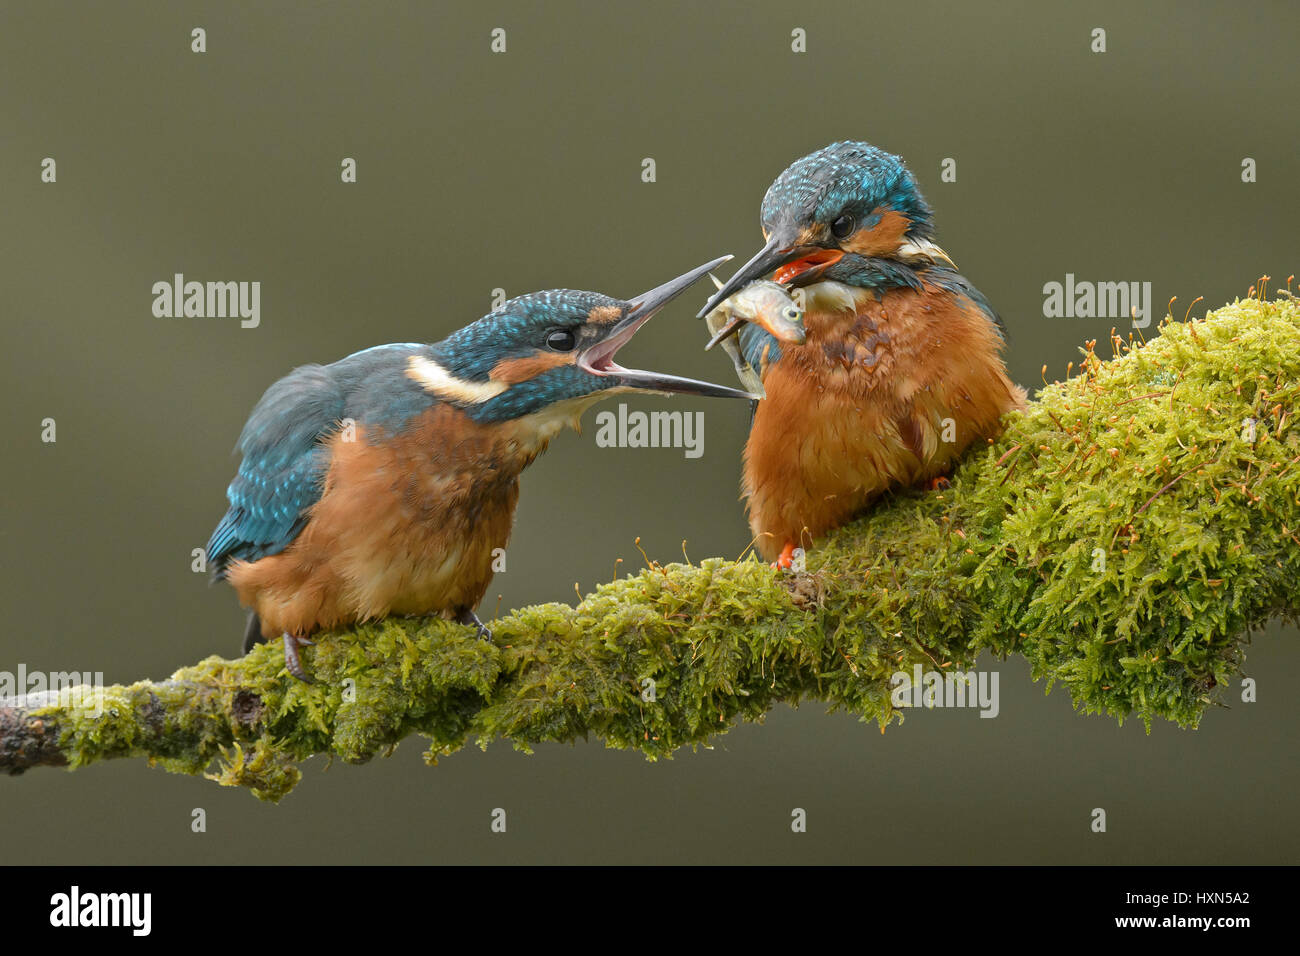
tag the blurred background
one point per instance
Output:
(521, 171)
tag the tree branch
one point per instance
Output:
(1124, 535)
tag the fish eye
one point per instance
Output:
(792, 313)
(842, 227)
(561, 340)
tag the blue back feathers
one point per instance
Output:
(283, 461)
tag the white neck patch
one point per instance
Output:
(923, 250)
(432, 377)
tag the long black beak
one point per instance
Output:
(778, 251)
(599, 358)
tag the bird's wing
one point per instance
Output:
(283, 467)
(759, 349)
(959, 285)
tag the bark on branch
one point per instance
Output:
(1124, 535)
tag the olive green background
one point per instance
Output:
(523, 171)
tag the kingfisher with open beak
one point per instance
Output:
(899, 369)
(384, 483)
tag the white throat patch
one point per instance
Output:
(831, 296)
(535, 430)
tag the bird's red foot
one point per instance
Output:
(938, 483)
(786, 559)
(292, 663)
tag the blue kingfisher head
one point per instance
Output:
(846, 199)
(552, 351)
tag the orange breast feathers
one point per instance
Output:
(406, 524)
(885, 391)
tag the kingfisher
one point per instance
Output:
(899, 368)
(384, 483)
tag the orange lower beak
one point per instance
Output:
(807, 267)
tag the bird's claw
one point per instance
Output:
(292, 663)
(470, 619)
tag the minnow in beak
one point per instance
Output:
(598, 359)
(782, 327)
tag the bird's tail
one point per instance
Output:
(253, 632)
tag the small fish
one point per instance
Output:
(766, 304)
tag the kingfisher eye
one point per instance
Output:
(561, 340)
(842, 228)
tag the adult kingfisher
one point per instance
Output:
(900, 366)
(382, 483)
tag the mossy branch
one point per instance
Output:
(1124, 534)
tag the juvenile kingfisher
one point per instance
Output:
(900, 366)
(382, 483)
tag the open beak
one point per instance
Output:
(598, 359)
(798, 264)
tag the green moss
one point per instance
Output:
(1124, 534)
